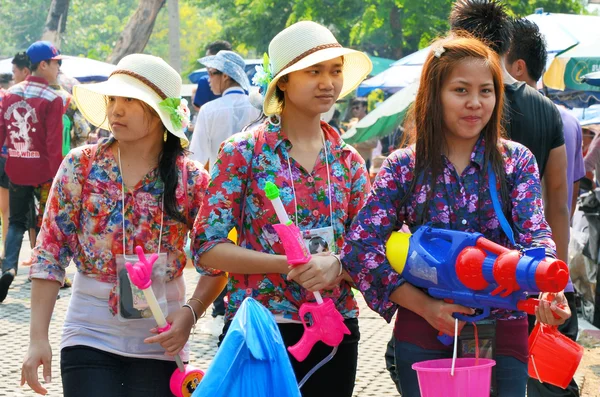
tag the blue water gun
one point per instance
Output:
(470, 270)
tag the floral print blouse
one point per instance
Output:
(245, 163)
(84, 221)
(459, 202)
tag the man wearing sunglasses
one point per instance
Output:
(31, 125)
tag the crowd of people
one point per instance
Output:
(477, 113)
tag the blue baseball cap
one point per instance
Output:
(42, 51)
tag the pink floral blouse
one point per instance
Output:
(83, 219)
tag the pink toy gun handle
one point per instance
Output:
(291, 238)
(327, 326)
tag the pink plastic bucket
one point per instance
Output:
(468, 380)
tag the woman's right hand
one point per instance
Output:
(439, 314)
(39, 353)
(319, 273)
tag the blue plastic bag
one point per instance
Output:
(252, 360)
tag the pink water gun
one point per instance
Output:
(327, 323)
(186, 378)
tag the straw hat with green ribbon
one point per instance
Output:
(146, 78)
(305, 44)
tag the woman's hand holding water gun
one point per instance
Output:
(439, 315)
(319, 273)
(553, 305)
(175, 338)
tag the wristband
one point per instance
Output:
(193, 313)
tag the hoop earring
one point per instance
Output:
(275, 120)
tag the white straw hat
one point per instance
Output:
(145, 77)
(305, 44)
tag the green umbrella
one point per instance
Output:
(567, 69)
(385, 118)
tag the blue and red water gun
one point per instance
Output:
(470, 270)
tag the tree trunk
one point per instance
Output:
(56, 22)
(396, 29)
(136, 34)
(174, 48)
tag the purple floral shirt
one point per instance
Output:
(458, 203)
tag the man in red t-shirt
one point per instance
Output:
(31, 125)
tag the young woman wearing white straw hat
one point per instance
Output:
(135, 189)
(322, 185)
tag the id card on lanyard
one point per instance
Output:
(132, 304)
(321, 239)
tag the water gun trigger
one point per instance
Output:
(474, 317)
(304, 310)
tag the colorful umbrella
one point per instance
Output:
(568, 68)
(400, 75)
(385, 118)
(592, 79)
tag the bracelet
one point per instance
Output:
(193, 313)
(340, 262)
(202, 305)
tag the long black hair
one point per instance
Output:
(169, 173)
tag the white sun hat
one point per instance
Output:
(145, 77)
(305, 44)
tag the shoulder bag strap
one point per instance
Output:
(498, 208)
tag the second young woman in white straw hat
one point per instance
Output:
(322, 182)
(135, 189)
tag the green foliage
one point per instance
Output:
(197, 28)
(93, 27)
(22, 24)
(385, 28)
(526, 7)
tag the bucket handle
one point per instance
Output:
(455, 351)
(537, 374)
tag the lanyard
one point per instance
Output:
(162, 204)
(328, 184)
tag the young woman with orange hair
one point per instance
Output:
(441, 178)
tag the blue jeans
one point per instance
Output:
(511, 374)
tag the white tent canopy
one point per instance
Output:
(83, 69)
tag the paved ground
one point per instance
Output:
(372, 378)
